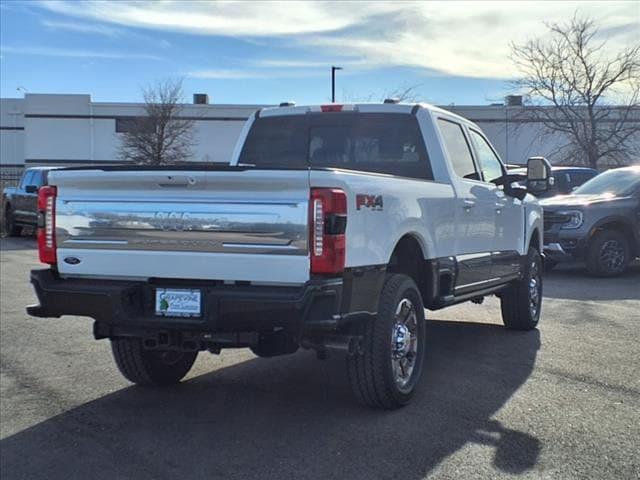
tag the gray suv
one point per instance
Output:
(598, 223)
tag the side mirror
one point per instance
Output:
(539, 177)
(518, 192)
(31, 189)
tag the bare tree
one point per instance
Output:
(162, 136)
(572, 85)
(404, 93)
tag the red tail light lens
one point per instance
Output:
(331, 108)
(328, 215)
(47, 225)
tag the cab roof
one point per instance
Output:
(357, 107)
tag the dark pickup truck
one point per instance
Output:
(20, 203)
(563, 179)
(599, 223)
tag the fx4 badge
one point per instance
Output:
(373, 202)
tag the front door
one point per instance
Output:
(509, 213)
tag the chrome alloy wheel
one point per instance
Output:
(535, 289)
(612, 255)
(404, 343)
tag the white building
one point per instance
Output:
(71, 129)
(42, 129)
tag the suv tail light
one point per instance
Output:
(328, 215)
(47, 225)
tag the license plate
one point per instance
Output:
(173, 302)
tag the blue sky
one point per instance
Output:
(267, 52)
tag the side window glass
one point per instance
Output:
(489, 162)
(27, 179)
(458, 149)
(38, 178)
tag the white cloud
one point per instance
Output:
(233, 74)
(75, 53)
(83, 27)
(279, 63)
(455, 38)
(220, 18)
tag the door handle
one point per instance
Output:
(468, 204)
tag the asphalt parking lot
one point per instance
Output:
(560, 402)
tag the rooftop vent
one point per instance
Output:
(200, 99)
(391, 100)
(288, 104)
(513, 100)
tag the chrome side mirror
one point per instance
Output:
(539, 177)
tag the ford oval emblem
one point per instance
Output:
(72, 260)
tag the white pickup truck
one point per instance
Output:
(333, 228)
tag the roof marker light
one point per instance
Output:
(331, 108)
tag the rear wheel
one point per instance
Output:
(521, 302)
(387, 370)
(608, 254)
(10, 226)
(150, 367)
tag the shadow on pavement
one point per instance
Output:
(573, 282)
(18, 243)
(293, 417)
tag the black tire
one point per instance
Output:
(150, 367)
(521, 302)
(371, 371)
(608, 254)
(549, 264)
(10, 226)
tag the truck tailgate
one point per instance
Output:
(220, 225)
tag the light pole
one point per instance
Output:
(333, 83)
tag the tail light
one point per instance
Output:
(328, 215)
(47, 225)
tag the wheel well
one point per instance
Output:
(407, 258)
(535, 240)
(622, 228)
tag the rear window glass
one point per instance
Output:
(458, 149)
(380, 143)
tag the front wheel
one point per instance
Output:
(150, 367)
(608, 254)
(521, 302)
(387, 370)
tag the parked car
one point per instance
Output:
(565, 179)
(20, 203)
(333, 227)
(599, 223)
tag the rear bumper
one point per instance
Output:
(127, 307)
